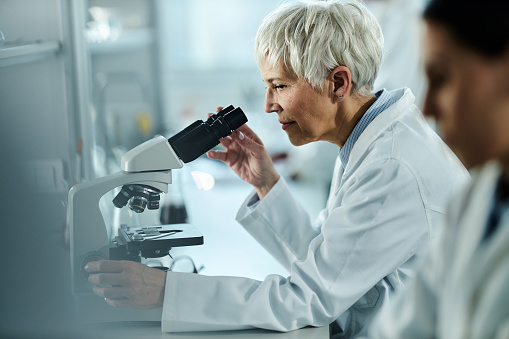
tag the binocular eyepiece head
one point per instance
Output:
(200, 136)
(188, 144)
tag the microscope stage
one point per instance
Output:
(152, 241)
(174, 235)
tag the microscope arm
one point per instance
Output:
(147, 164)
(88, 233)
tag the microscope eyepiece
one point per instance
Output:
(200, 136)
(221, 113)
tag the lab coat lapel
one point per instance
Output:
(468, 255)
(473, 250)
(339, 170)
(472, 227)
(496, 246)
(485, 297)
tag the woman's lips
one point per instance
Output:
(286, 124)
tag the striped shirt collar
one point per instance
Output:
(383, 101)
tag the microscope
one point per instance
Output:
(145, 175)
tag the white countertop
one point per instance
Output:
(152, 329)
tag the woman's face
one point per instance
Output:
(305, 114)
(468, 95)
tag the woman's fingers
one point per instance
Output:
(247, 142)
(243, 143)
(119, 303)
(105, 278)
(112, 266)
(217, 155)
(226, 142)
(248, 132)
(218, 109)
(112, 292)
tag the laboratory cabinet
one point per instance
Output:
(39, 129)
(57, 81)
(123, 56)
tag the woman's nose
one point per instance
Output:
(270, 105)
(429, 109)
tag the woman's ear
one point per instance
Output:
(341, 79)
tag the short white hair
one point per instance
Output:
(313, 38)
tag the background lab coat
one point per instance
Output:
(461, 289)
(384, 210)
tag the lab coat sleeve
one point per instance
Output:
(379, 226)
(280, 224)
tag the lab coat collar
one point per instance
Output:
(383, 101)
(402, 99)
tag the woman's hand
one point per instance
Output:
(127, 283)
(247, 157)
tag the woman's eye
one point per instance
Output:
(437, 84)
(436, 79)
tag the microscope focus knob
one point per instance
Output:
(92, 256)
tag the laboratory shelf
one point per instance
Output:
(130, 39)
(17, 53)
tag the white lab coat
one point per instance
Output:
(461, 289)
(380, 213)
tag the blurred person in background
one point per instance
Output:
(392, 178)
(461, 289)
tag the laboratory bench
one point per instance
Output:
(152, 329)
(228, 249)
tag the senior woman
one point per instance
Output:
(393, 176)
(461, 289)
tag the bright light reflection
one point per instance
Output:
(101, 29)
(204, 181)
